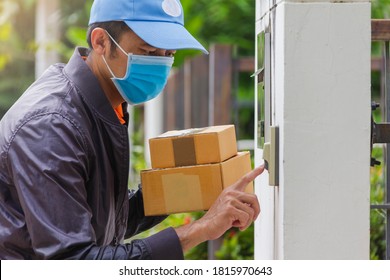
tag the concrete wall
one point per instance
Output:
(321, 103)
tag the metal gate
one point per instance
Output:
(381, 132)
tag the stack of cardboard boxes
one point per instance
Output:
(190, 168)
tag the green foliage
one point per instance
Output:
(377, 216)
(219, 21)
(137, 153)
(75, 15)
(237, 245)
(16, 52)
(380, 9)
(245, 112)
(227, 21)
(377, 188)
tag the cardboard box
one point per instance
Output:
(193, 146)
(191, 188)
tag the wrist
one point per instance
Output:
(191, 235)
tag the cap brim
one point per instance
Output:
(165, 35)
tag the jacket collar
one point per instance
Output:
(88, 85)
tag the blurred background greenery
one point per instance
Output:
(211, 21)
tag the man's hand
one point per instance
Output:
(233, 208)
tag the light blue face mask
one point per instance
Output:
(145, 78)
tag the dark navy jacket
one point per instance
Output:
(64, 162)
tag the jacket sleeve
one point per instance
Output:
(48, 160)
(137, 221)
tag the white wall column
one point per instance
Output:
(47, 34)
(320, 86)
(153, 114)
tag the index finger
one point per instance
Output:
(249, 177)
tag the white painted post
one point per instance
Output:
(46, 34)
(153, 114)
(321, 102)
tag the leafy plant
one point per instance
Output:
(377, 216)
(237, 245)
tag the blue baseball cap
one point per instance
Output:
(160, 23)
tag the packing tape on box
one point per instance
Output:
(184, 151)
(177, 187)
(184, 147)
(187, 132)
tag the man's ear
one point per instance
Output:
(100, 41)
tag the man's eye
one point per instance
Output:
(152, 53)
